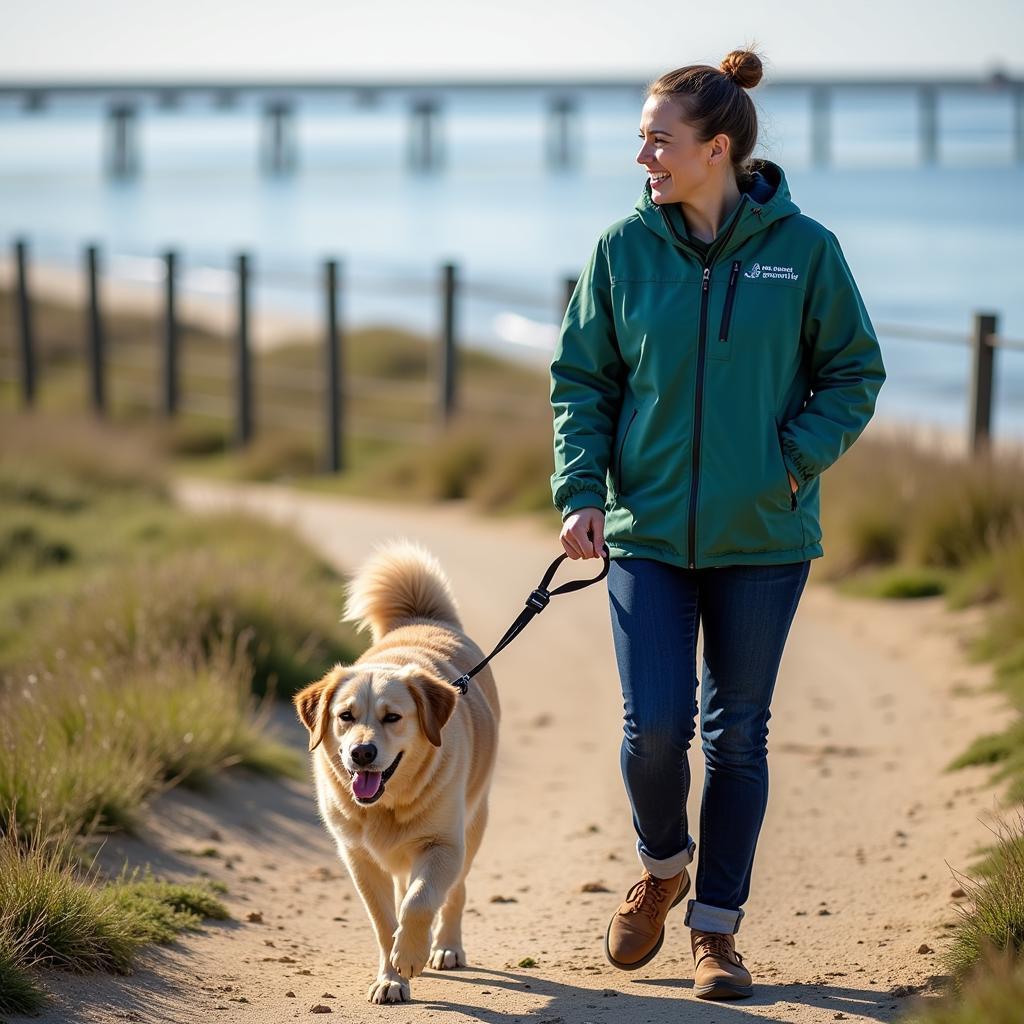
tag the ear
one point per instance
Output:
(435, 702)
(312, 704)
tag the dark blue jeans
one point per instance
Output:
(745, 612)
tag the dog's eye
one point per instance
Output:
(391, 717)
(346, 716)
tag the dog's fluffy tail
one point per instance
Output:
(400, 580)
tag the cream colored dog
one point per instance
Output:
(403, 762)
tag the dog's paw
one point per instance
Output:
(389, 988)
(410, 950)
(447, 958)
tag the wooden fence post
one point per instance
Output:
(96, 363)
(982, 374)
(243, 368)
(170, 336)
(449, 353)
(334, 459)
(28, 356)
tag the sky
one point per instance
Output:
(475, 38)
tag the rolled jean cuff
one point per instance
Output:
(706, 918)
(670, 865)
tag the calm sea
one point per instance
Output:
(929, 245)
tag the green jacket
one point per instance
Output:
(684, 387)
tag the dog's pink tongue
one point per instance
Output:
(366, 784)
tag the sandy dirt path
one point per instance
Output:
(851, 880)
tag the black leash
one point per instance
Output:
(535, 604)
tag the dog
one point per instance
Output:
(403, 763)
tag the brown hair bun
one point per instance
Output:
(743, 67)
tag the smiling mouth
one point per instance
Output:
(368, 787)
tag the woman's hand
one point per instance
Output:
(583, 533)
(793, 482)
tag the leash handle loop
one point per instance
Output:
(538, 600)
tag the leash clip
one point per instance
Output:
(535, 603)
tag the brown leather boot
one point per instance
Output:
(718, 969)
(637, 929)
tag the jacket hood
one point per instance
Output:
(764, 199)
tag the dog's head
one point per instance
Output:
(370, 720)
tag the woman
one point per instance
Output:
(715, 358)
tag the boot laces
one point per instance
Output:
(717, 944)
(645, 896)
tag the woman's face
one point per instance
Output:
(676, 162)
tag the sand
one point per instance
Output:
(853, 870)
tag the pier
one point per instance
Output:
(279, 106)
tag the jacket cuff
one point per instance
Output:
(582, 499)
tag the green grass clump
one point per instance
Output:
(890, 499)
(985, 960)
(55, 915)
(23, 543)
(19, 991)
(280, 456)
(66, 462)
(909, 583)
(1005, 749)
(290, 608)
(994, 915)
(992, 994)
(899, 582)
(159, 910)
(83, 744)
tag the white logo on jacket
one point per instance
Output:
(770, 270)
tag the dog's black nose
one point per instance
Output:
(364, 753)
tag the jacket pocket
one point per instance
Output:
(622, 447)
(785, 469)
(721, 346)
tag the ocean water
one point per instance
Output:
(928, 245)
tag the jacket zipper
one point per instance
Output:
(723, 333)
(698, 401)
(705, 288)
(622, 447)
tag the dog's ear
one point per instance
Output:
(313, 702)
(435, 702)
